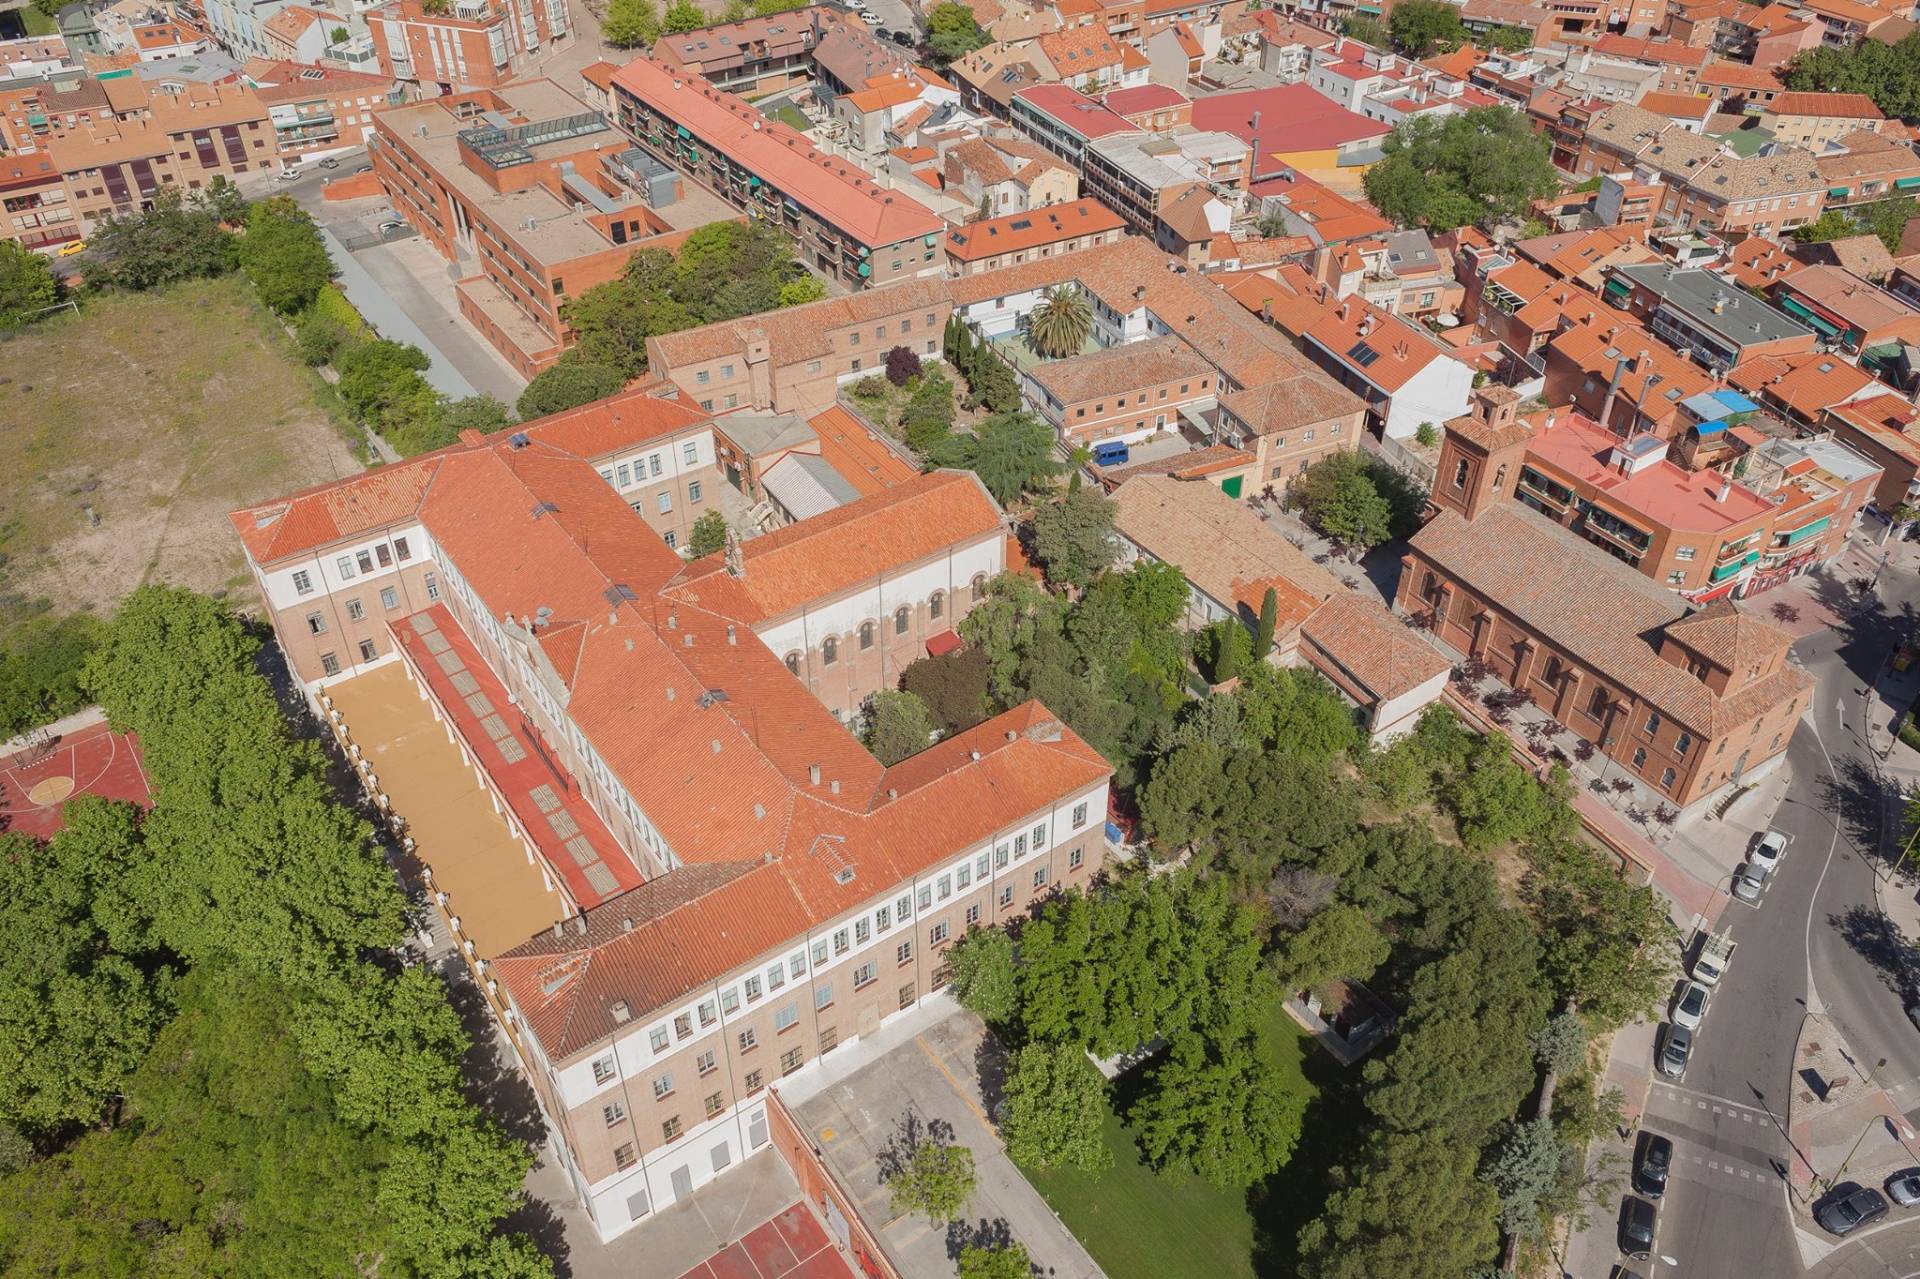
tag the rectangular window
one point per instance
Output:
(755, 1078)
(665, 501)
(925, 897)
(1019, 846)
(903, 953)
(657, 1039)
(302, 583)
(980, 866)
(329, 664)
(903, 908)
(946, 887)
(907, 995)
(1040, 877)
(937, 934)
(1000, 857)
(1073, 860)
(613, 1112)
(715, 1104)
(862, 931)
(384, 554)
(704, 1063)
(364, 560)
(389, 598)
(791, 1060)
(683, 1026)
(776, 977)
(316, 624)
(796, 965)
(670, 1129)
(973, 915)
(663, 1086)
(783, 1018)
(963, 876)
(623, 1155)
(400, 551)
(603, 1069)
(1683, 553)
(706, 1012)
(433, 586)
(693, 491)
(840, 946)
(748, 1039)
(1006, 895)
(828, 1038)
(1039, 837)
(626, 476)
(863, 974)
(368, 650)
(883, 919)
(355, 611)
(820, 951)
(653, 463)
(345, 565)
(690, 452)
(822, 994)
(753, 989)
(729, 1001)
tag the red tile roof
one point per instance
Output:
(1013, 232)
(836, 191)
(1401, 350)
(1074, 110)
(1852, 106)
(1292, 117)
(1144, 97)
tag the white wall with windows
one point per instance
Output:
(879, 601)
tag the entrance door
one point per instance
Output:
(836, 1222)
(682, 1180)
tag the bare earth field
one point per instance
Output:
(162, 412)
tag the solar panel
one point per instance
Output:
(1362, 354)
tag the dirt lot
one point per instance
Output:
(161, 412)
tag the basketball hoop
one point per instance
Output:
(39, 748)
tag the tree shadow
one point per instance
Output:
(488, 1078)
(1859, 800)
(984, 1233)
(1294, 1196)
(1382, 568)
(1869, 630)
(910, 1132)
(536, 1219)
(1873, 937)
(991, 1059)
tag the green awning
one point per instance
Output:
(931, 240)
(753, 184)
(1906, 184)
(866, 268)
(1801, 311)
(1807, 530)
(1731, 567)
(1838, 193)
(1620, 287)
(682, 130)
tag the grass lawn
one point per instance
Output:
(161, 412)
(791, 116)
(1141, 1225)
(38, 23)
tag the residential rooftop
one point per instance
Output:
(1713, 304)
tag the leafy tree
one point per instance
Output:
(902, 366)
(935, 1178)
(1339, 497)
(1889, 74)
(1422, 27)
(319, 337)
(1366, 31)
(28, 286)
(801, 289)
(927, 418)
(1608, 943)
(225, 201)
(1340, 941)
(1427, 435)
(40, 664)
(1526, 1170)
(1219, 1109)
(896, 725)
(1269, 620)
(16, 1151)
(381, 382)
(1007, 1262)
(1445, 173)
(683, 15)
(991, 385)
(1507, 39)
(1561, 1044)
(953, 687)
(568, 384)
(1010, 452)
(1497, 802)
(180, 238)
(1074, 537)
(1833, 224)
(1886, 218)
(953, 32)
(283, 256)
(1409, 1206)
(1060, 325)
(709, 534)
(480, 413)
(1054, 1108)
(1223, 650)
(631, 23)
(983, 976)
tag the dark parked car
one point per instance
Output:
(1848, 1208)
(902, 38)
(1636, 1227)
(1651, 1163)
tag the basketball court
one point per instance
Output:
(39, 779)
(792, 1245)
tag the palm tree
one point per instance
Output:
(1059, 326)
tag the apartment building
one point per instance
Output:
(753, 56)
(842, 223)
(470, 44)
(1404, 376)
(317, 111)
(992, 243)
(1064, 120)
(1125, 393)
(1288, 425)
(1621, 375)
(1689, 703)
(750, 889)
(1698, 313)
(183, 140)
(1173, 188)
(1290, 127)
(1871, 167)
(1884, 429)
(33, 199)
(998, 176)
(1812, 120)
(1845, 310)
(526, 192)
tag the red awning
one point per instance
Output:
(941, 644)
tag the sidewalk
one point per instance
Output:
(1593, 1251)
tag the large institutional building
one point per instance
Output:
(722, 886)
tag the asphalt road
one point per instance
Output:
(1815, 944)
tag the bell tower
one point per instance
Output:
(1481, 456)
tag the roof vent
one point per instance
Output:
(712, 697)
(716, 746)
(974, 756)
(834, 786)
(759, 813)
(813, 774)
(619, 593)
(518, 440)
(844, 875)
(542, 615)
(732, 638)
(626, 924)
(620, 1010)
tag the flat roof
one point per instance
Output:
(1714, 304)
(1663, 492)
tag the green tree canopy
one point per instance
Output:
(1340, 941)
(631, 23)
(1216, 1107)
(1008, 1262)
(180, 238)
(568, 384)
(1422, 27)
(40, 663)
(1074, 537)
(1409, 1206)
(983, 975)
(28, 285)
(283, 256)
(953, 687)
(709, 534)
(934, 1178)
(684, 15)
(1011, 453)
(1443, 173)
(1889, 74)
(953, 32)
(896, 725)
(1060, 325)
(1053, 1108)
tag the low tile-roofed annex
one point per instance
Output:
(1596, 608)
(1117, 369)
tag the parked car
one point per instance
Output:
(365, 168)
(1675, 1051)
(72, 247)
(905, 39)
(391, 225)
(1652, 1160)
(1747, 883)
(287, 175)
(870, 18)
(329, 163)
(1904, 1187)
(1636, 1227)
(1691, 1006)
(1849, 1207)
(1767, 853)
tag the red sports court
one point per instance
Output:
(39, 780)
(791, 1246)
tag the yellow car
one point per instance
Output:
(72, 247)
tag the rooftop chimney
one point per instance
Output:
(813, 774)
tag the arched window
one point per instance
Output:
(866, 636)
(793, 664)
(829, 651)
(937, 605)
(1460, 474)
(900, 619)
(979, 584)
(1499, 479)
